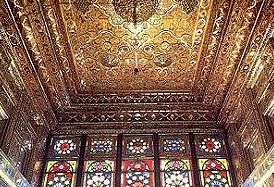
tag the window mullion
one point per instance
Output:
(81, 160)
(157, 172)
(194, 160)
(118, 168)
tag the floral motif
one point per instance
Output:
(177, 178)
(138, 146)
(64, 146)
(60, 175)
(215, 173)
(101, 146)
(211, 145)
(99, 174)
(176, 173)
(137, 179)
(137, 174)
(174, 145)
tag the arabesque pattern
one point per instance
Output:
(110, 53)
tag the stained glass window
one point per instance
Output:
(214, 172)
(138, 145)
(174, 145)
(138, 164)
(144, 160)
(175, 172)
(62, 163)
(210, 145)
(60, 173)
(64, 146)
(137, 173)
(101, 146)
(99, 173)
(100, 157)
(175, 161)
(212, 161)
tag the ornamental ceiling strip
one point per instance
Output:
(139, 128)
(135, 98)
(121, 116)
(213, 39)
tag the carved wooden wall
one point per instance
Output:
(23, 128)
(251, 129)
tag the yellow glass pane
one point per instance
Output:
(181, 164)
(52, 180)
(222, 161)
(214, 172)
(99, 166)
(72, 165)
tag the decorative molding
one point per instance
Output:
(135, 98)
(128, 116)
(146, 127)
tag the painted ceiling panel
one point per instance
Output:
(110, 53)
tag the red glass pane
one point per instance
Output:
(138, 173)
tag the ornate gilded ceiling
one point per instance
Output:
(189, 62)
(111, 54)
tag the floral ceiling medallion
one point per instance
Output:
(135, 11)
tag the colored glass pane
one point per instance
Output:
(60, 173)
(214, 172)
(173, 145)
(99, 173)
(138, 146)
(210, 145)
(101, 146)
(138, 173)
(64, 146)
(175, 173)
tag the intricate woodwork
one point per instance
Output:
(80, 68)
(71, 75)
